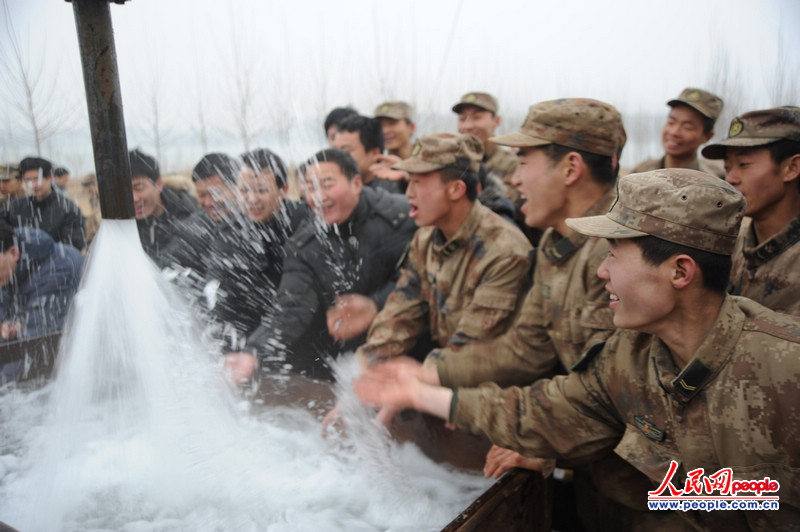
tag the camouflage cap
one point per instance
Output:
(435, 152)
(580, 123)
(707, 104)
(394, 110)
(679, 205)
(758, 128)
(478, 99)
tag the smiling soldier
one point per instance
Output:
(689, 125)
(708, 380)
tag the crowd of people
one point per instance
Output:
(515, 286)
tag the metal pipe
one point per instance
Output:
(104, 100)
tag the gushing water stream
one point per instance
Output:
(140, 431)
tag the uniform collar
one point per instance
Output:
(464, 233)
(559, 248)
(756, 254)
(708, 360)
(694, 164)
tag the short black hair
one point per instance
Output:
(341, 158)
(601, 166)
(143, 165)
(7, 237)
(370, 132)
(266, 159)
(36, 163)
(336, 115)
(58, 172)
(782, 149)
(716, 268)
(219, 164)
(461, 170)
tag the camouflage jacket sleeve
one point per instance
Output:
(568, 417)
(403, 317)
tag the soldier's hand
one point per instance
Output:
(499, 460)
(381, 387)
(381, 168)
(240, 366)
(350, 316)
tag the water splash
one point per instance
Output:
(140, 431)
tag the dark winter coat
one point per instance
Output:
(56, 215)
(45, 279)
(359, 256)
(247, 263)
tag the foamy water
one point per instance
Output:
(139, 431)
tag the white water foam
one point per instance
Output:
(139, 431)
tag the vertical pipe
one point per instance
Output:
(104, 100)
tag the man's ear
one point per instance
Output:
(572, 168)
(14, 251)
(791, 168)
(684, 271)
(159, 184)
(456, 189)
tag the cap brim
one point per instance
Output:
(702, 110)
(415, 165)
(519, 140)
(602, 227)
(457, 107)
(717, 151)
(387, 115)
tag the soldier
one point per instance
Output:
(398, 127)
(762, 160)
(338, 271)
(61, 178)
(567, 152)
(465, 270)
(694, 376)
(157, 209)
(45, 209)
(477, 115)
(690, 124)
(362, 138)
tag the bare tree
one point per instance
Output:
(784, 86)
(32, 96)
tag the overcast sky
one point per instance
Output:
(299, 59)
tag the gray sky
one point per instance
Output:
(299, 59)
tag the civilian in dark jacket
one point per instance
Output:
(38, 279)
(247, 260)
(157, 209)
(44, 208)
(338, 271)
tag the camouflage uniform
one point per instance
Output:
(732, 405)
(740, 414)
(466, 288)
(768, 272)
(708, 105)
(709, 167)
(765, 271)
(565, 311)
